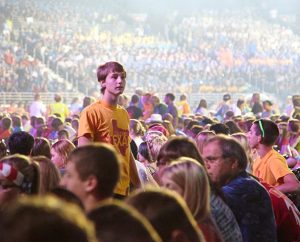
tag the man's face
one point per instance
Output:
(252, 138)
(166, 100)
(218, 168)
(72, 181)
(114, 83)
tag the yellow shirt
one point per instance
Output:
(109, 124)
(271, 168)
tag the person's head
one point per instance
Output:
(168, 214)
(182, 97)
(202, 104)
(6, 123)
(267, 105)
(293, 126)
(115, 220)
(220, 128)
(154, 100)
(87, 101)
(42, 147)
(188, 178)
(143, 153)
(169, 98)
(255, 97)
(75, 124)
(57, 98)
(20, 143)
(233, 127)
(135, 99)
(136, 128)
(57, 124)
(201, 139)
(60, 151)
(25, 119)
(18, 175)
(92, 170)
(63, 134)
(240, 104)
(16, 121)
(155, 141)
(224, 158)
(262, 132)
(175, 148)
(111, 72)
(50, 176)
(226, 97)
(45, 218)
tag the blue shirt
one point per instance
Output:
(251, 205)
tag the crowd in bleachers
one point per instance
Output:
(211, 51)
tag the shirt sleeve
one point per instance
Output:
(86, 125)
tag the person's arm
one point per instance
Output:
(84, 140)
(290, 184)
(134, 176)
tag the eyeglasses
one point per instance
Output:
(261, 128)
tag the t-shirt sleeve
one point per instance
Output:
(86, 125)
(279, 168)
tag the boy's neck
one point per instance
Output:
(110, 99)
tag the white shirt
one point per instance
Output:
(37, 108)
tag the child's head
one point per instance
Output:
(109, 67)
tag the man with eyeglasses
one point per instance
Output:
(226, 160)
(270, 166)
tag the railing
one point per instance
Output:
(7, 98)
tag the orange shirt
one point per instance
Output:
(271, 168)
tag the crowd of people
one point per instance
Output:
(149, 170)
(210, 51)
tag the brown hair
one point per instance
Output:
(105, 69)
(100, 160)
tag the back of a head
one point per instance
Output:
(41, 147)
(50, 176)
(177, 147)
(268, 130)
(135, 99)
(20, 143)
(6, 123)
(116, 221)
(100, 160)
(21, 172)
(191, 177)
(36, 219)
(167, 212)
(220, 128)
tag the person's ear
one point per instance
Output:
(91, 183)
(103, 83)
(178, 236)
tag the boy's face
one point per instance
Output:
(72, 181)
(114, 83)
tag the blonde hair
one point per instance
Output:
(201, 139)
(191, 177)
(242, 139)
(63, 148)
(50, 176)
(136, 127)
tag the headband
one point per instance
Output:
(261, 128)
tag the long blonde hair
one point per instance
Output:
(191, 177)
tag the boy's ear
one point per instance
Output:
(91, 183)
(102, 83)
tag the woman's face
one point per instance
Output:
(56, 159)
(167, 182)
